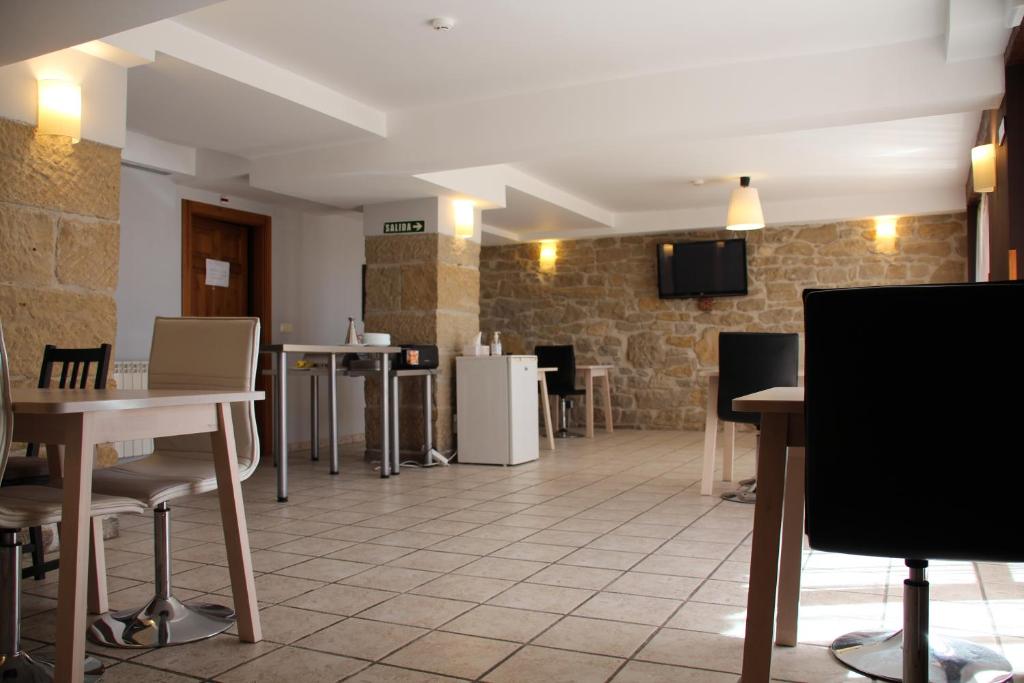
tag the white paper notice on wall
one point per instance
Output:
(218, 273)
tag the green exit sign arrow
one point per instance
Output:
(402, 227)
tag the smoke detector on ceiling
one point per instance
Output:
(442, 23)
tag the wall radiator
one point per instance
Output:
(132, 374)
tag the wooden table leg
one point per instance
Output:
(607, 403)
(764, 556)
(728, 451)
(588, 383)
(236, 534)
(72, 589)
(548, 428)
(97, 569)
(710, 437)
(788, 610)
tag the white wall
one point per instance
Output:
(316, 270)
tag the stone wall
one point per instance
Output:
(422, 289)
(602, 296)
(59, 245)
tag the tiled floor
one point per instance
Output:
(599, 562)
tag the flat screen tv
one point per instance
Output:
(698, 269)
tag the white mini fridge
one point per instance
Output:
(497, 409)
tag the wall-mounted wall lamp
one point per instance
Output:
(885, 227)
(60, 109)
(983, 168)
(548, 254)
(464, 218)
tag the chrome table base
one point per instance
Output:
(23, 668)
(880, 655)
(164, 621)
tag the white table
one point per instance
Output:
(280, 353)
(79, 419)
(779, 510)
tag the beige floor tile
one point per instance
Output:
(705, 549)
(677, 566)
(314, 546)
(636, 609)
(503, 623)
(693, 649)
(596, 636)
(544, 664)
(722, 593)
(434, 561)
(370, 553)
(453, 654)
(273, 588)
(570, 538)
(537, 552)
(340, 599)
(645, 672)
(361, 638)
(270, 560)
(473, 588)
(710, 618)
(206, 658)
(292, 664)
(470, 545)
(285, 625)
(445, 526)
(541, 598)
(324, 569)
(604, 559)
(382, 673)
(391, 578)
(206, 578)
(659, 531)
(498, 532)
(599, 526)
(417, 610)
(575, 577)
(655, 585)
(501, 568)
(128, 672)
(628, 544)
(356, 534)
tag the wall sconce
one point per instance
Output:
(983, 167)
(744, 208)
(885, 227)
(464, 218)
(60, 109)
(548, 254)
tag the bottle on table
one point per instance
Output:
(496, 344)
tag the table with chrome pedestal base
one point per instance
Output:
(280, 371)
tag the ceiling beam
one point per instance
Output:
(200, 50)
(36, 27)
(978, 28)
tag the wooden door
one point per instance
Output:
(214, 243)
(242, 240)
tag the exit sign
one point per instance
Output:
(401, 227)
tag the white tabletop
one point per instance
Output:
(326, 349)
(775, 400)
(68, 401)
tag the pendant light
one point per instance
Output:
(744, 208)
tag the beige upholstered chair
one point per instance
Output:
(21, 507)
(187, 353)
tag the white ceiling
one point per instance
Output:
(173, 100)
(384, 53)
(578, 117)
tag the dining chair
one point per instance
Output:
(907, 431)
(75, 366)
(749, 362)
(186, 353)
(31, 506)
(561, 382)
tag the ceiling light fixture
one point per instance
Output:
(744, 208)
(442, 23)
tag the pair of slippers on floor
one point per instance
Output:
(746, 493)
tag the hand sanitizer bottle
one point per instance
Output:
(496, 344)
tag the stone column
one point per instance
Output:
(422, 288)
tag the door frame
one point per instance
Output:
(259, 227)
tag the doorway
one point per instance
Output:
(225, 271)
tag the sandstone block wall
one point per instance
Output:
(602, 296)
(59, 245)
(422, 289)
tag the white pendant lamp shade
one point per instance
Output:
(744, 208)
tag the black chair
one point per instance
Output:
(905, 425)
(75, 367)
(561, 382)
(749, 362)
